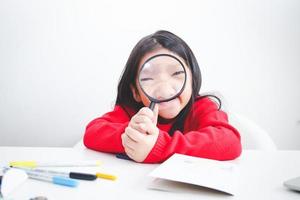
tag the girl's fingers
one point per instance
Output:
(134, 134)
(151, 129)
(129, 152)
(128, 142)
(145, 121)
(142, 115)
(137, 126)
(145, 128)
(141, 119)
(146, 111)
(152, 115)
(128, 130)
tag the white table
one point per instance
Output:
(261, 176)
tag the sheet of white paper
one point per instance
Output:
(217, 175)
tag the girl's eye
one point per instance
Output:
(177, 73)
(146, 79)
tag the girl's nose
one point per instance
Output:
(164, 91)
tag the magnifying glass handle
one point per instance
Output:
(151, 106)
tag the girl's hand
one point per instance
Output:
(141, 134)
(144, 120)
(137, 146)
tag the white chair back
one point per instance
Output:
(252, 135)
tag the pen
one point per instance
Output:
(106, 176)
(54, 179)
(74, 175)
(33, 164)
(123, 156)
(49, 178)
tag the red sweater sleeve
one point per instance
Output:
(104, 133)
(207, 134)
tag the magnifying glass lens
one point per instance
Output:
(162, 78)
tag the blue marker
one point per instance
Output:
(54, 179)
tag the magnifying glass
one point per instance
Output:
(162, 78)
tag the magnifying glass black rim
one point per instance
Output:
(169, 99)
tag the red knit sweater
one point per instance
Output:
(206, 134)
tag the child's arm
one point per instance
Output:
(104, 133)
(211, 137)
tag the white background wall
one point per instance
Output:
(60, 61)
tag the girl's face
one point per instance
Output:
(169, 109)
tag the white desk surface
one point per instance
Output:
(261, 176)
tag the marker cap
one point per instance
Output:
(82, 176)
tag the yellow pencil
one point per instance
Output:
(32, 164)
(106, 176)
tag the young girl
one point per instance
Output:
(190, 124)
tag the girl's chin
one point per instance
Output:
(167, 117)
(170, 109)
(168, 114)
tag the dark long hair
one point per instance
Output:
(159, 39)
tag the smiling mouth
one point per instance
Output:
(167, 103)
